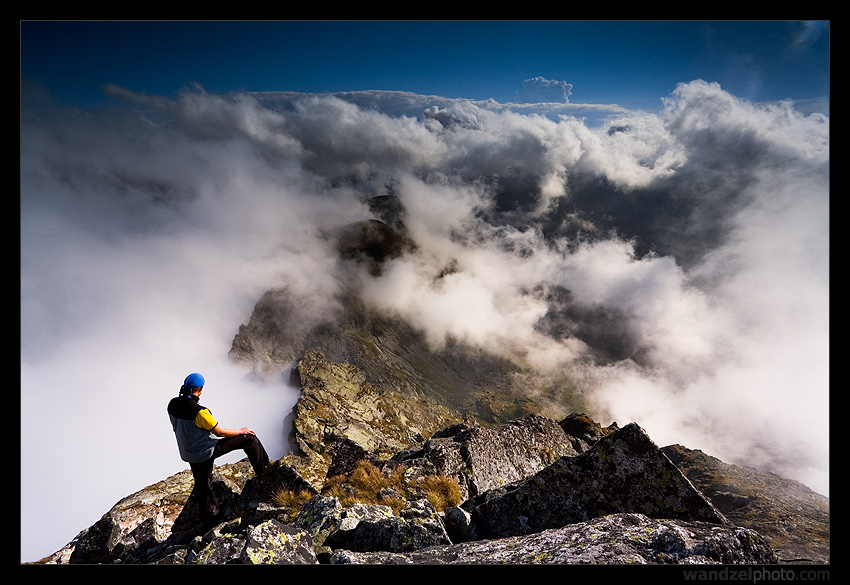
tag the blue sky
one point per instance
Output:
(633, 64)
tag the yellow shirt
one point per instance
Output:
(205, 420)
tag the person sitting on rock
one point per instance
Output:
(200, 440)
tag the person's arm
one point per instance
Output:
(205, 420)
(218, 431)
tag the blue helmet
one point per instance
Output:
(192, 382)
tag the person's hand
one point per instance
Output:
(247, 431)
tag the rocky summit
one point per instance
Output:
(530, 490)
(406, 454)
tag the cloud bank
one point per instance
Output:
(675, 265)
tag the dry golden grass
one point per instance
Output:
(291, 501)
(369, 485)
(443, 492)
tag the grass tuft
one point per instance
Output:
(291, 501)
(368, 484)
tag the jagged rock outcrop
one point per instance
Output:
(623, 472)
(163, 512)
(371, 242)
(396, 357)
(535, 490)
(338, 402)
(160, 523)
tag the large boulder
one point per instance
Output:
(273, 542)
(625, 538)
(623, 472)
(370, 527)
(482, 459)
(270, 542)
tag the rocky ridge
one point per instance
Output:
(532, 490)
(536, 481)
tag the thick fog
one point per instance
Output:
(694, 242)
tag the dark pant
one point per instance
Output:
(202, 472)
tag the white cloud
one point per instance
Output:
(695, 241)
(540, 89)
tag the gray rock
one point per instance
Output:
(486, 458)
(459, 524)
(583, 431)
(364, 527)
(270, 542)
(260, 490)
(623, 472)
(275, 543)
(346, 455)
